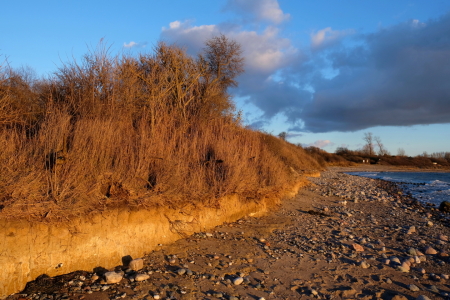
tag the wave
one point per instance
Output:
(430, 187)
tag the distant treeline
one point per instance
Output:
(343, 156)
(147, 130)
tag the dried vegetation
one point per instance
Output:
(158, 129)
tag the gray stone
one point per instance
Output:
(141, 277)
(364, 265)
(136, 264)
(422, 297)
(433, 288)
(413, 287)
(181, 271)
(113, 277)
(403, 269)
(412, 252)
(395, 259)
(238, 280)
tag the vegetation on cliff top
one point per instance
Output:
(151, 130)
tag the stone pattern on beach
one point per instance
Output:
(344, 237)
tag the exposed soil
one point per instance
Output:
(308, 248)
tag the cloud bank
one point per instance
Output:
(397, 76)
(342, 81)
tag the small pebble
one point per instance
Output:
(238, 280)
(413, 287)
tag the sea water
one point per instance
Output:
(433, 187)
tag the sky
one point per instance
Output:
(325, 72)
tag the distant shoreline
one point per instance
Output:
(385, 168)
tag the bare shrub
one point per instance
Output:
(156, 129)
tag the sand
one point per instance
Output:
(321, 244)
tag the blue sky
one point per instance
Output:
(323, 71)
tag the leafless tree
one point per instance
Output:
(369, 147)
(381, 149)
(401, 152)
(225, 60)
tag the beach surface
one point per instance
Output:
(343, 237)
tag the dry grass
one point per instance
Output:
(141, 132)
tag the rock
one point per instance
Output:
(113, 277)
(422, 297)
(434, 289)
(430, 250)
(412, 252)
(413, 287)
(444, 206)
(430, 224)
(136, 264)
(442, 254)
(156, 296)
(141, 277)
(238, 280)
(443, 238)
(395, 259)
(364, 265)
(403, 269)
(388, 280)
(181, 271)
(406, 265)
(357, 247)
(411, 230)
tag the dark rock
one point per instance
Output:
(445, 206)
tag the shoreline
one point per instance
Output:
(320, 244)
(386, 168)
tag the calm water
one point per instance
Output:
(431, 187)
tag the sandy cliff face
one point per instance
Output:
(29, 249)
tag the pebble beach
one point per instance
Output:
(342, 237)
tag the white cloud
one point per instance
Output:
(264, 52)
(130, 44)
(417, 24)
(261, 10)
(270, 10)
(327, 36)
(321, 144)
